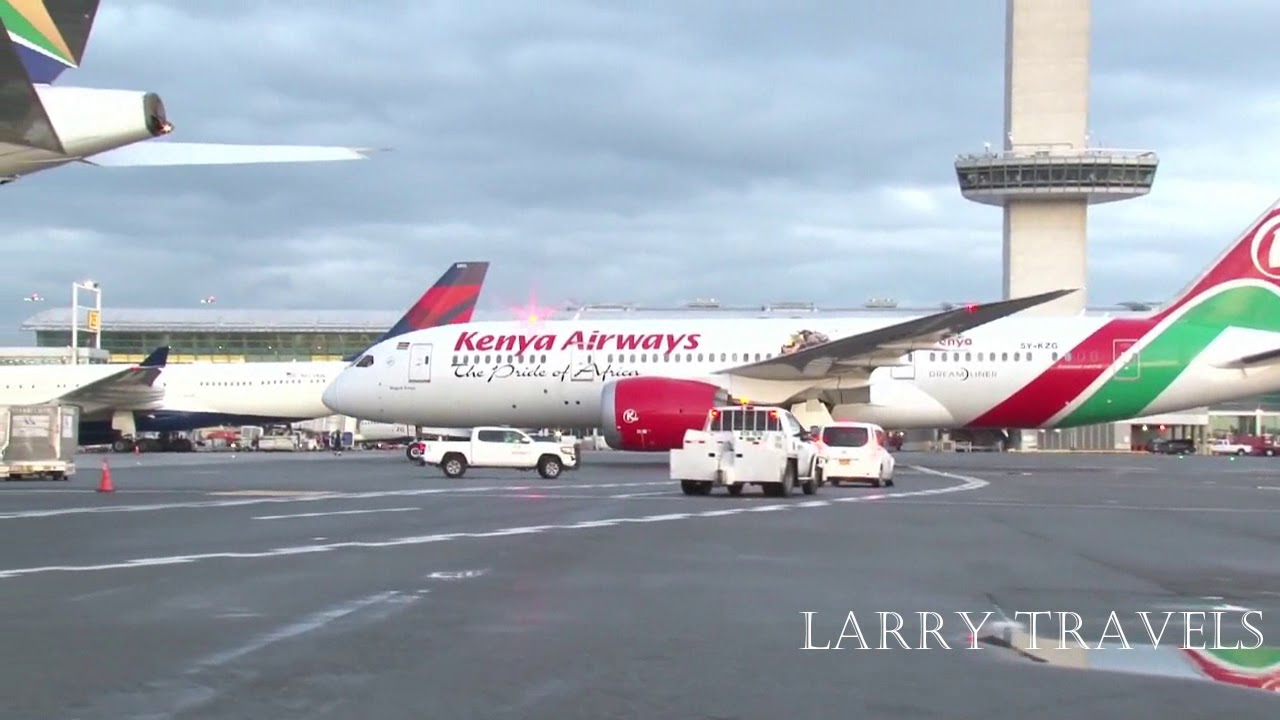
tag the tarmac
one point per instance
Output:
(362, 586)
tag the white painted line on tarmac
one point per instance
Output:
(626, 496)
(309, 496)
(1268, 487)
(335, 512)
(306, 625)
(1081, 506)
(456, 574)
(968, 483)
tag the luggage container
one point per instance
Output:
(39, 441)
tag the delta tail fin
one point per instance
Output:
(50, 36)
(157, 359)
(450, 301)
(1252, 261)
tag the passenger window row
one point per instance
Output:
(1003, 357)
(461, 360)
(983, 357)
(537, 359)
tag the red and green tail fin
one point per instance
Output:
(1253, 260)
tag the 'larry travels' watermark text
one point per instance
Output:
(1045, 629)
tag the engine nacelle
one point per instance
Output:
(89, 120)
(652, 414)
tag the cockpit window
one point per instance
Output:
(365, 361)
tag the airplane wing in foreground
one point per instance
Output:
(884, 346)
(1261, 359)
(159, 153)
(130, 387)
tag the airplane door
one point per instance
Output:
(1131, 359)
(420, 362)
(907, 370)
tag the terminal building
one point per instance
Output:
(198, 335)
(209, 335)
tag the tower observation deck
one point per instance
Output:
(1047, 174)
(1090, 175)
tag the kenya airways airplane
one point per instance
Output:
(644, 382)
(118, 402)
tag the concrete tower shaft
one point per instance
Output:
(1046, 72)
(1046, 104)
(1048, 173)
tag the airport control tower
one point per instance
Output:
(1048, 174)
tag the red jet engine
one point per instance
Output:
(648, 414)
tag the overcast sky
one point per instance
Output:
(738, 149)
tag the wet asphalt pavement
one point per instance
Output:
(360, 586)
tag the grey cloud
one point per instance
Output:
(653, 152)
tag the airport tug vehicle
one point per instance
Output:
(742, 445)
(854, 452)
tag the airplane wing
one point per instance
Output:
(1266, 357)
(883, 346)
(131, 387)
(158, 153)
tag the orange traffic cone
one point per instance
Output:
(104, 484)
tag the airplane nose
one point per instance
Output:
(330, 396)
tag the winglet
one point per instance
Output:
(450, 301)
(157, 359)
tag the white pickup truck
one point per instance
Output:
(747, 445)
(500, 447)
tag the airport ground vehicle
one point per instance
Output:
(1176, 446)
(854, 451)
(38, 442)
(746, 445)
(1244, 445)
(499, 447)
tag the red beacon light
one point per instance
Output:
(971, 307)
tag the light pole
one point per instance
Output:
(94, 325)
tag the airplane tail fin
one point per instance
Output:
(157, 359)
(1252, 261)
(451, 300)
(24, 122)
(50, 36)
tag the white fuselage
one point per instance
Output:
(41, 383)
(283, 390)
(536, 375)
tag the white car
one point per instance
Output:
(854, 452)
